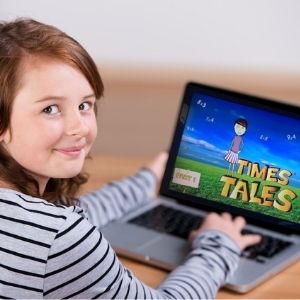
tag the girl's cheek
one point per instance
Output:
(51, 130)
(92, 123)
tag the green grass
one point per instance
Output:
(210, 188)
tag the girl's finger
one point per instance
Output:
(249, 240)
(239, 222)
(226, 216)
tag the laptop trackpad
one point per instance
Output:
(167, 249)
(148, 243)
(127, 235)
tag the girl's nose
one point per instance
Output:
(75, 125)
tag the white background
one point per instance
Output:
(235, 34)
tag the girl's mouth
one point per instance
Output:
(70, 151)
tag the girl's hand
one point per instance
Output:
(228, 225)
(158, 164)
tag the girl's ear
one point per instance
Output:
(5, 137)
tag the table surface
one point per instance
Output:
(104, 168)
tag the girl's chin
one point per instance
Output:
(68, 173)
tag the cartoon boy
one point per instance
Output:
(232, 156)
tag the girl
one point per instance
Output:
(49, 244)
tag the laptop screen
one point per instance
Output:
(238, 153)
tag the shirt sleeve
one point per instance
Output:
(82, 264)
(117, 198)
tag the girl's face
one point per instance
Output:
(53, 123)
(239, 129)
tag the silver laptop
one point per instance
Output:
(230, 152)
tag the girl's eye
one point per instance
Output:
(51, 110)
(85, 106)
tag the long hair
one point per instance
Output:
(26, 38)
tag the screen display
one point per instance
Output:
(239, 155)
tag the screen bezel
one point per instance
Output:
(210, 205)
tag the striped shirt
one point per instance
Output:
(52, 251)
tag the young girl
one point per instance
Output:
(50, 246)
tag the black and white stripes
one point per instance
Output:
(49, 251)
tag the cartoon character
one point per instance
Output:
(232, 156)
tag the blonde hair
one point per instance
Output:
(27, 37)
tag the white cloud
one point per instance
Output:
(202, 143)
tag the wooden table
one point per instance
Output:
(102, 169)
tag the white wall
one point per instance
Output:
(225, 34)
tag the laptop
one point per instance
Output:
(230, 152)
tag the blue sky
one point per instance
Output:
(270, 138)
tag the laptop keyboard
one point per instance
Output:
(179, 223)
(167, 219)
(267, 248)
